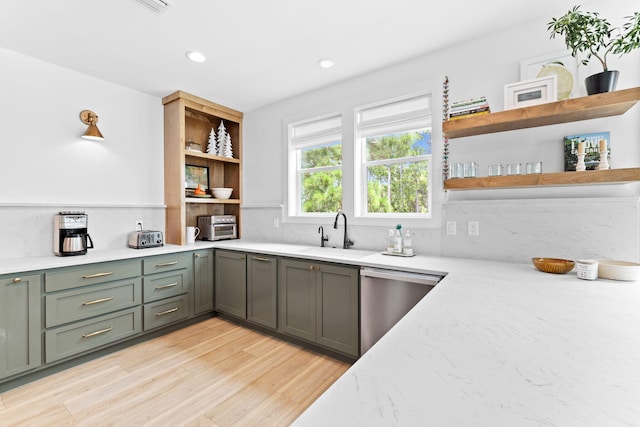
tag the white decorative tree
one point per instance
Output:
(221, 139)
(228, 150)
(212, 145)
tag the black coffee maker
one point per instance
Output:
(70, 236)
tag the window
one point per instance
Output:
(393, 158)
(315, 166)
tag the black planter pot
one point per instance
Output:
(601, 82)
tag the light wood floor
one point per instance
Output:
(213, 373)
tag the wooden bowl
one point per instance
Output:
(553, 265)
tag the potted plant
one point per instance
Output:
(590, 33)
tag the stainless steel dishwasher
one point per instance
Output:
(385, 297)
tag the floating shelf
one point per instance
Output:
(570, 110)
(594, 177)
(207, 156)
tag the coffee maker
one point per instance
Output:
(70, 234)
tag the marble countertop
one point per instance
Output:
(494, 344)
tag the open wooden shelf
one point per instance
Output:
(570, 110)
(213, 201)
(593, 177)
(207, 156)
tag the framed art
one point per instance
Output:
(531, 92)
(560, 63)
(194, 175)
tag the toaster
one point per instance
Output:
(145, 239)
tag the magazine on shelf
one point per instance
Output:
(591, 150)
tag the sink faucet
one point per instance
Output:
(346, 241)
(323, 238)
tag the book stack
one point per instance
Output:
(469, 108)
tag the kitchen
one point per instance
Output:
(514, 224)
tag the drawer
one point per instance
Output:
(80, 304)
(166, 311)
(159, 286)
(90, 274)
(169, 262)
(76, 338)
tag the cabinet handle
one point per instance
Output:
(93, 276)
(170, 285)
(101, 331)
(171, 310)
(316, 267)
(97, 301)
(257, 258)
(17, 280)
(197, 255)
(166, 264)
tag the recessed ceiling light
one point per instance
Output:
(195, 56)
(326, 63)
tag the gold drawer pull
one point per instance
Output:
(314, 267)
(162, 313)
(170, 285)
(101, 331)
(97, 301)
(93, 276)
(257, 258)
(17, 280)
(166, 264)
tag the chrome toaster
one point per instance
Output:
(145, 239)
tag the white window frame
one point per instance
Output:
(295, 144)
(406, 122)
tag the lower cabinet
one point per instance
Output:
(231, 283)
(262, 290)
(203, 281)
(318, 302)
(165, 312)
(20, 320)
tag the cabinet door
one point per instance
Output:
(231, 283)
(20, 319)
(262, 289)
(297, 299)
(337, 308)
(203, 284)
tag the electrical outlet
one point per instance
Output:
(276, 223)
(451, 228)
(473, 228)
(139, 224)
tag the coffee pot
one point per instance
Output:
(70, 236)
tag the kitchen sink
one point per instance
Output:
(336, 252)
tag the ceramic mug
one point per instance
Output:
(192, 233)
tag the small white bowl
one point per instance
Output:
(618, 270)
(222, 193)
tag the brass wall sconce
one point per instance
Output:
(90, 118)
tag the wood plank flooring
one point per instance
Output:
(213, 373)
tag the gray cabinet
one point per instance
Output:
(167, 287)
(262, 290)
(203, 281)
(231, 283)
(20, 318)
(318, 302)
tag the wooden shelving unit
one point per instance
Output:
(571, 110)
(188, 117)
(611, 176)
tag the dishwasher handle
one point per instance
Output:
(424, 279)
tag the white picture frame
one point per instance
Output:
(531, 68)
(531, 92)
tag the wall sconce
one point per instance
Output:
(90, 118)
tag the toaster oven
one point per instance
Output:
(217, 227)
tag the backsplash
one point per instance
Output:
(27, 230)
(510, 230)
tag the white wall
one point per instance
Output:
(47, 167)
(479, 67)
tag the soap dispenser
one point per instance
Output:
(397, 241)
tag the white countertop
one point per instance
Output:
(494, 344)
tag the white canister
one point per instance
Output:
(587, 269)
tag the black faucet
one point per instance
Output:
(346, 241)
(323, 238)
